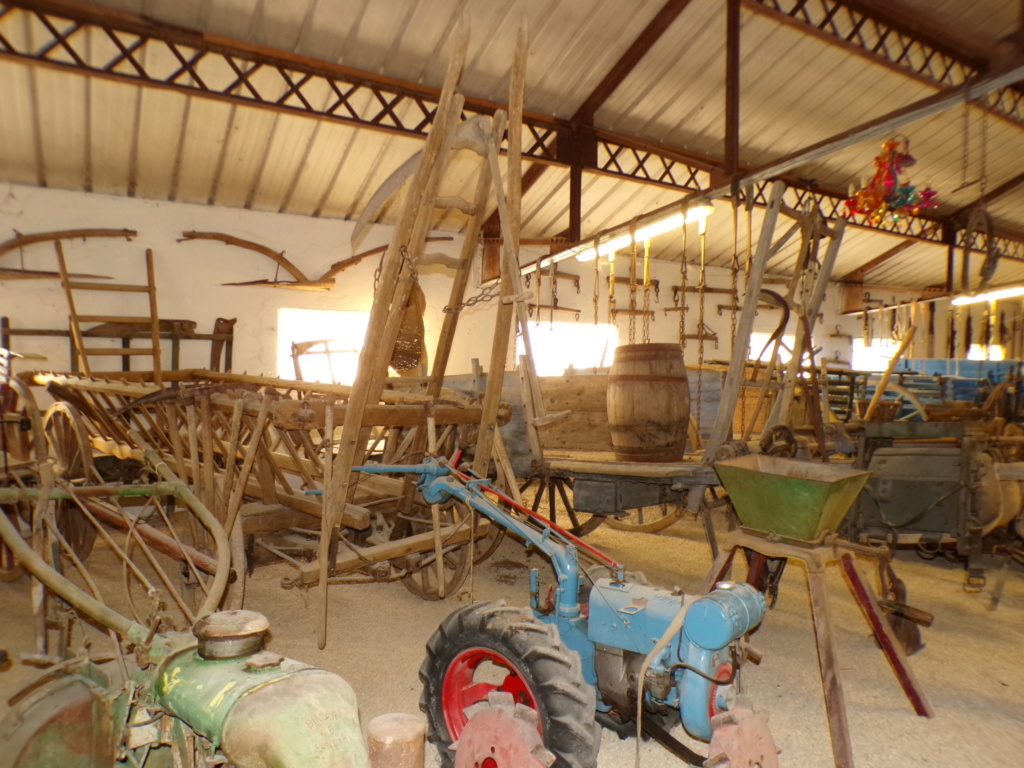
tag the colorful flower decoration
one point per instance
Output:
(888, 195)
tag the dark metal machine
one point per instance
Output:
(950, 488)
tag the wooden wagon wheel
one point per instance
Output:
(10, 568)
(650, 519)
(71, 454)
(552, 498)
(17, 405)
(423, 580)
(902, 393)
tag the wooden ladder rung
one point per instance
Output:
(93, 286)
(116, 352)
(122, 319)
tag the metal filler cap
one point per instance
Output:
(230, 634)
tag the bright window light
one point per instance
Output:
(991, 352)
(332, 340)
(873, 358)
(758, 341)
(556, 346)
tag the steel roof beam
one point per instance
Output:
(1003, 189)
(203, 59)
(882, 39)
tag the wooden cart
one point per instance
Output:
(258, 452)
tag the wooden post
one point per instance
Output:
(835, 702)
(886, 375)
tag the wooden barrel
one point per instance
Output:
(648, 402)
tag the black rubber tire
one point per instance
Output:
(552, 672)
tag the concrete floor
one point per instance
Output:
(971, 668)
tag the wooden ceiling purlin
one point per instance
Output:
(894, 43)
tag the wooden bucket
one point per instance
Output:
(648, 402)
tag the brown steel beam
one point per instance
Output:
(884, 38)
(732, 89)
(857, 275)
(627, 62)
(1003, 189)
(976, 88)
(203, 58)
(585, 113)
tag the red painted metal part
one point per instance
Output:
(501, 735)
(885, 638)
(724, 673)
(741, 738)
(460, 690)
(533, 515)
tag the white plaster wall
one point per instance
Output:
(190, 277)
(190, 274)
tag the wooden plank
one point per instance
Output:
(577, 392)
(86, 285)
(831, 683)
(154, 315)
(309, 414)
(369, 378)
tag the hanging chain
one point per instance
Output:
(485, 295)
(700, 313)
(597, 280)
(647, 292)
(554, 293)
(611, 288)
(682, 291)
(735, 269)
(540, 277)
(632, 284)
(406, 258)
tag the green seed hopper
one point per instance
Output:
(796, 499)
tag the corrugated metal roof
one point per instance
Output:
(61, 128)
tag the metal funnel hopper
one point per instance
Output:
(796, 499)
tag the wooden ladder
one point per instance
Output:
(398, 272)
(128, 324)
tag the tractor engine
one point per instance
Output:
(692, 667)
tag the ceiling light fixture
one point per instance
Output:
(997, 295)
(608, 243)
(608, 248)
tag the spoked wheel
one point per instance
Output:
(487, 648)
(423, 579)
(552, 498)
(647, 519)
(487, 545)
(72, 456)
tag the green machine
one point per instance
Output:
(205, 698)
